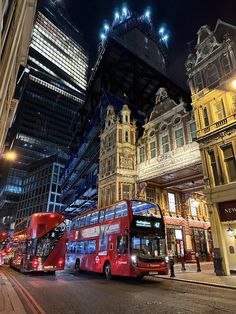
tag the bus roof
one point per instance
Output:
(108, 206)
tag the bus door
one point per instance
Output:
(122, 256)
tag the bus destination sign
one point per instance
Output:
(147, 224)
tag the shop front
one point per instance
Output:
(227, 213)
(201, 239)
(175, 237)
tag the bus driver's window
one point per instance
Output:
(122, 245)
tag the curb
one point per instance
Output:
(211, 284)
(12, 296)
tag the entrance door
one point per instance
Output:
(121, 256)
(231, 248)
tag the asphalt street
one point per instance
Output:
(90, 293)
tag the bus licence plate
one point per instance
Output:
(153, 273)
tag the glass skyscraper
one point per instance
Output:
(51, 92)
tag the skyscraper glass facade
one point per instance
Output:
(52, 90)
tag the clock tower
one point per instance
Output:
(117, 162)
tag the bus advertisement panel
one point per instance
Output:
(39, 243)
(125, 239)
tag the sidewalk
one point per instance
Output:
(9, 300)
(206, 276)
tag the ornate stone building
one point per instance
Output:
(163, 165)
(117, 157)
(15, 30)
(211, 71)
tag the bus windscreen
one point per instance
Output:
(145, 209)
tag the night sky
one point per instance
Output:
(183, 19)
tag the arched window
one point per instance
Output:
(198, 82)
(205, 117)
(126, 136)
(220, 110)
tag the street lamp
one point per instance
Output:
(10, 155)
(230, 232)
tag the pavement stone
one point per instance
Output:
(206, 276)
(9, 300)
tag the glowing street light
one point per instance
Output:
(233, 84)
(10, 155)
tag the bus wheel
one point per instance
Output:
(77, 265)
(107, 270)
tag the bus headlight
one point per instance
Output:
(134, 259)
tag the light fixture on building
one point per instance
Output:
(230, 232)
(196, 203)
(10, 155)
(233, 84)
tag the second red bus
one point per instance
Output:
(125, 239)
(39, 243)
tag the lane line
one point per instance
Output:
(33, 304)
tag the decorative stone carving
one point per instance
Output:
(141, 190)
(126, 163)
(161, 95)
(110, 118)
(206, 43)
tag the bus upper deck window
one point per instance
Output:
(101, 216)
(110, 212)
(121, 210)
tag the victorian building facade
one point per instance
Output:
(211, 71)
(160, 164)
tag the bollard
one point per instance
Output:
(198, 263)
(172, 271)
(183, 263)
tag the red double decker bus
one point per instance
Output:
(39, 243)
(125, 239)
(4, 239)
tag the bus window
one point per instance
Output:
(145, 209)
(80, 247)
(82, 221)
(122, 245)
(110, 212)
(121, 210)
(87, 221)
(101, 216)
(94, 218)
(91, 246)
